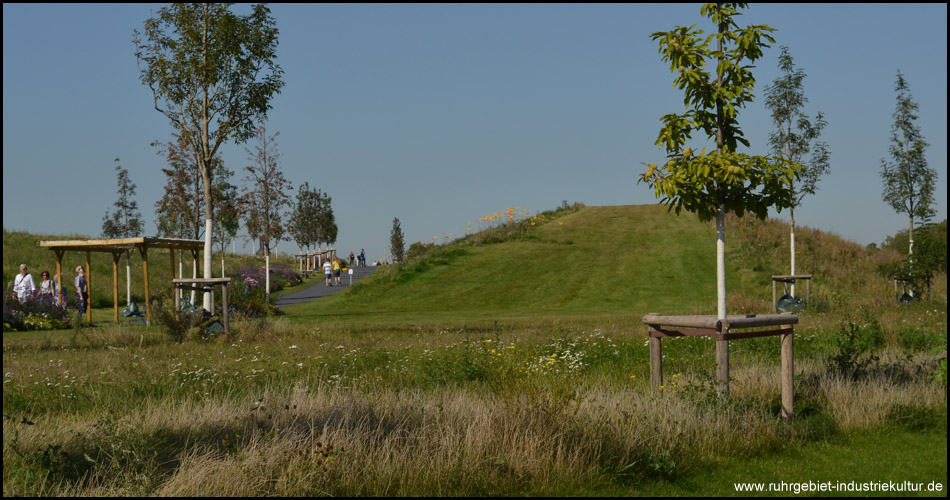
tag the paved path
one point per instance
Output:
(320, 289)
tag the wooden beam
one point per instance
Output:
(148, 303)
(788, 375)
(722, 361)
(59, 273)
(115, 284)
(89, 287)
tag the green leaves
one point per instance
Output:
(702, 183)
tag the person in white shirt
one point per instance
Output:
(23, 284)
(328, 271)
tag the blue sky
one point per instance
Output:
(441, 114)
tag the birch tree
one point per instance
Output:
(908, 180)
(794, 137)
(264, 197)
(211, 73)
(125, 222)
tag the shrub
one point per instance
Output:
(36, 312)
(247, 294)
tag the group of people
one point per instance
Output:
(25, 288)
(332, 267)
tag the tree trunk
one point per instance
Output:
(791, 217)
(910, 248)
(267, 270)
(721, 262)
(128, 279)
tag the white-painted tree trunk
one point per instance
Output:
(208, 271)
(792, 220)
(128, 280)
(721, 262)
(222, 264)
(194, 274)
(267, 272)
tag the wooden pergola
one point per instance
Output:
(117, 247)
(312, 261)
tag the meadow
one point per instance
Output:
(489, 366)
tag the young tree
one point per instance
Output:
(211, 72)
(265, 196)
(125, 222)
(303, 219)
(908, 181)
(710, 184)
(396, 242)
(793, 136)
(227, 213)
(181, 211)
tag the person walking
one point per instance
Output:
(82, 290)
(47, 287)
(336, 270)
(328, 271)
(62, 297)
(23, 284)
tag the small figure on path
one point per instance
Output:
(328, 271)
(352, 258)
(23, 284)
(82, 289)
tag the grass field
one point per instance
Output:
(502, 364)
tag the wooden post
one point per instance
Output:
(115, 284)
(89, 287)
(177, 296)
(774, 298)
(59, 275)
(171, 254)
(788, 375)
(808, 291)
(656, 362)
(148, 303)
(225, 306)
(722, 360)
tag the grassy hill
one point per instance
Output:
(614, 260)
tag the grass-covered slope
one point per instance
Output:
(615, 260)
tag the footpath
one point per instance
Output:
(319, 289)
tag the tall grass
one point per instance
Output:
(495, 408)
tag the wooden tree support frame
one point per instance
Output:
(904, 288)
(312, 262)
(790, 279)
(723, 330)
(182, 284)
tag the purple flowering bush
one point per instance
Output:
(247, 295)
(36, 312)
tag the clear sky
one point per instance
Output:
(441, 114)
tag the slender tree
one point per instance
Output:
(711, 184)
(264, 197)
(180, 211)
(908, 180)
(795, 135)
(304, 218)
(125, 222)
(211, 73)
(396, 242)
(227, 213)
